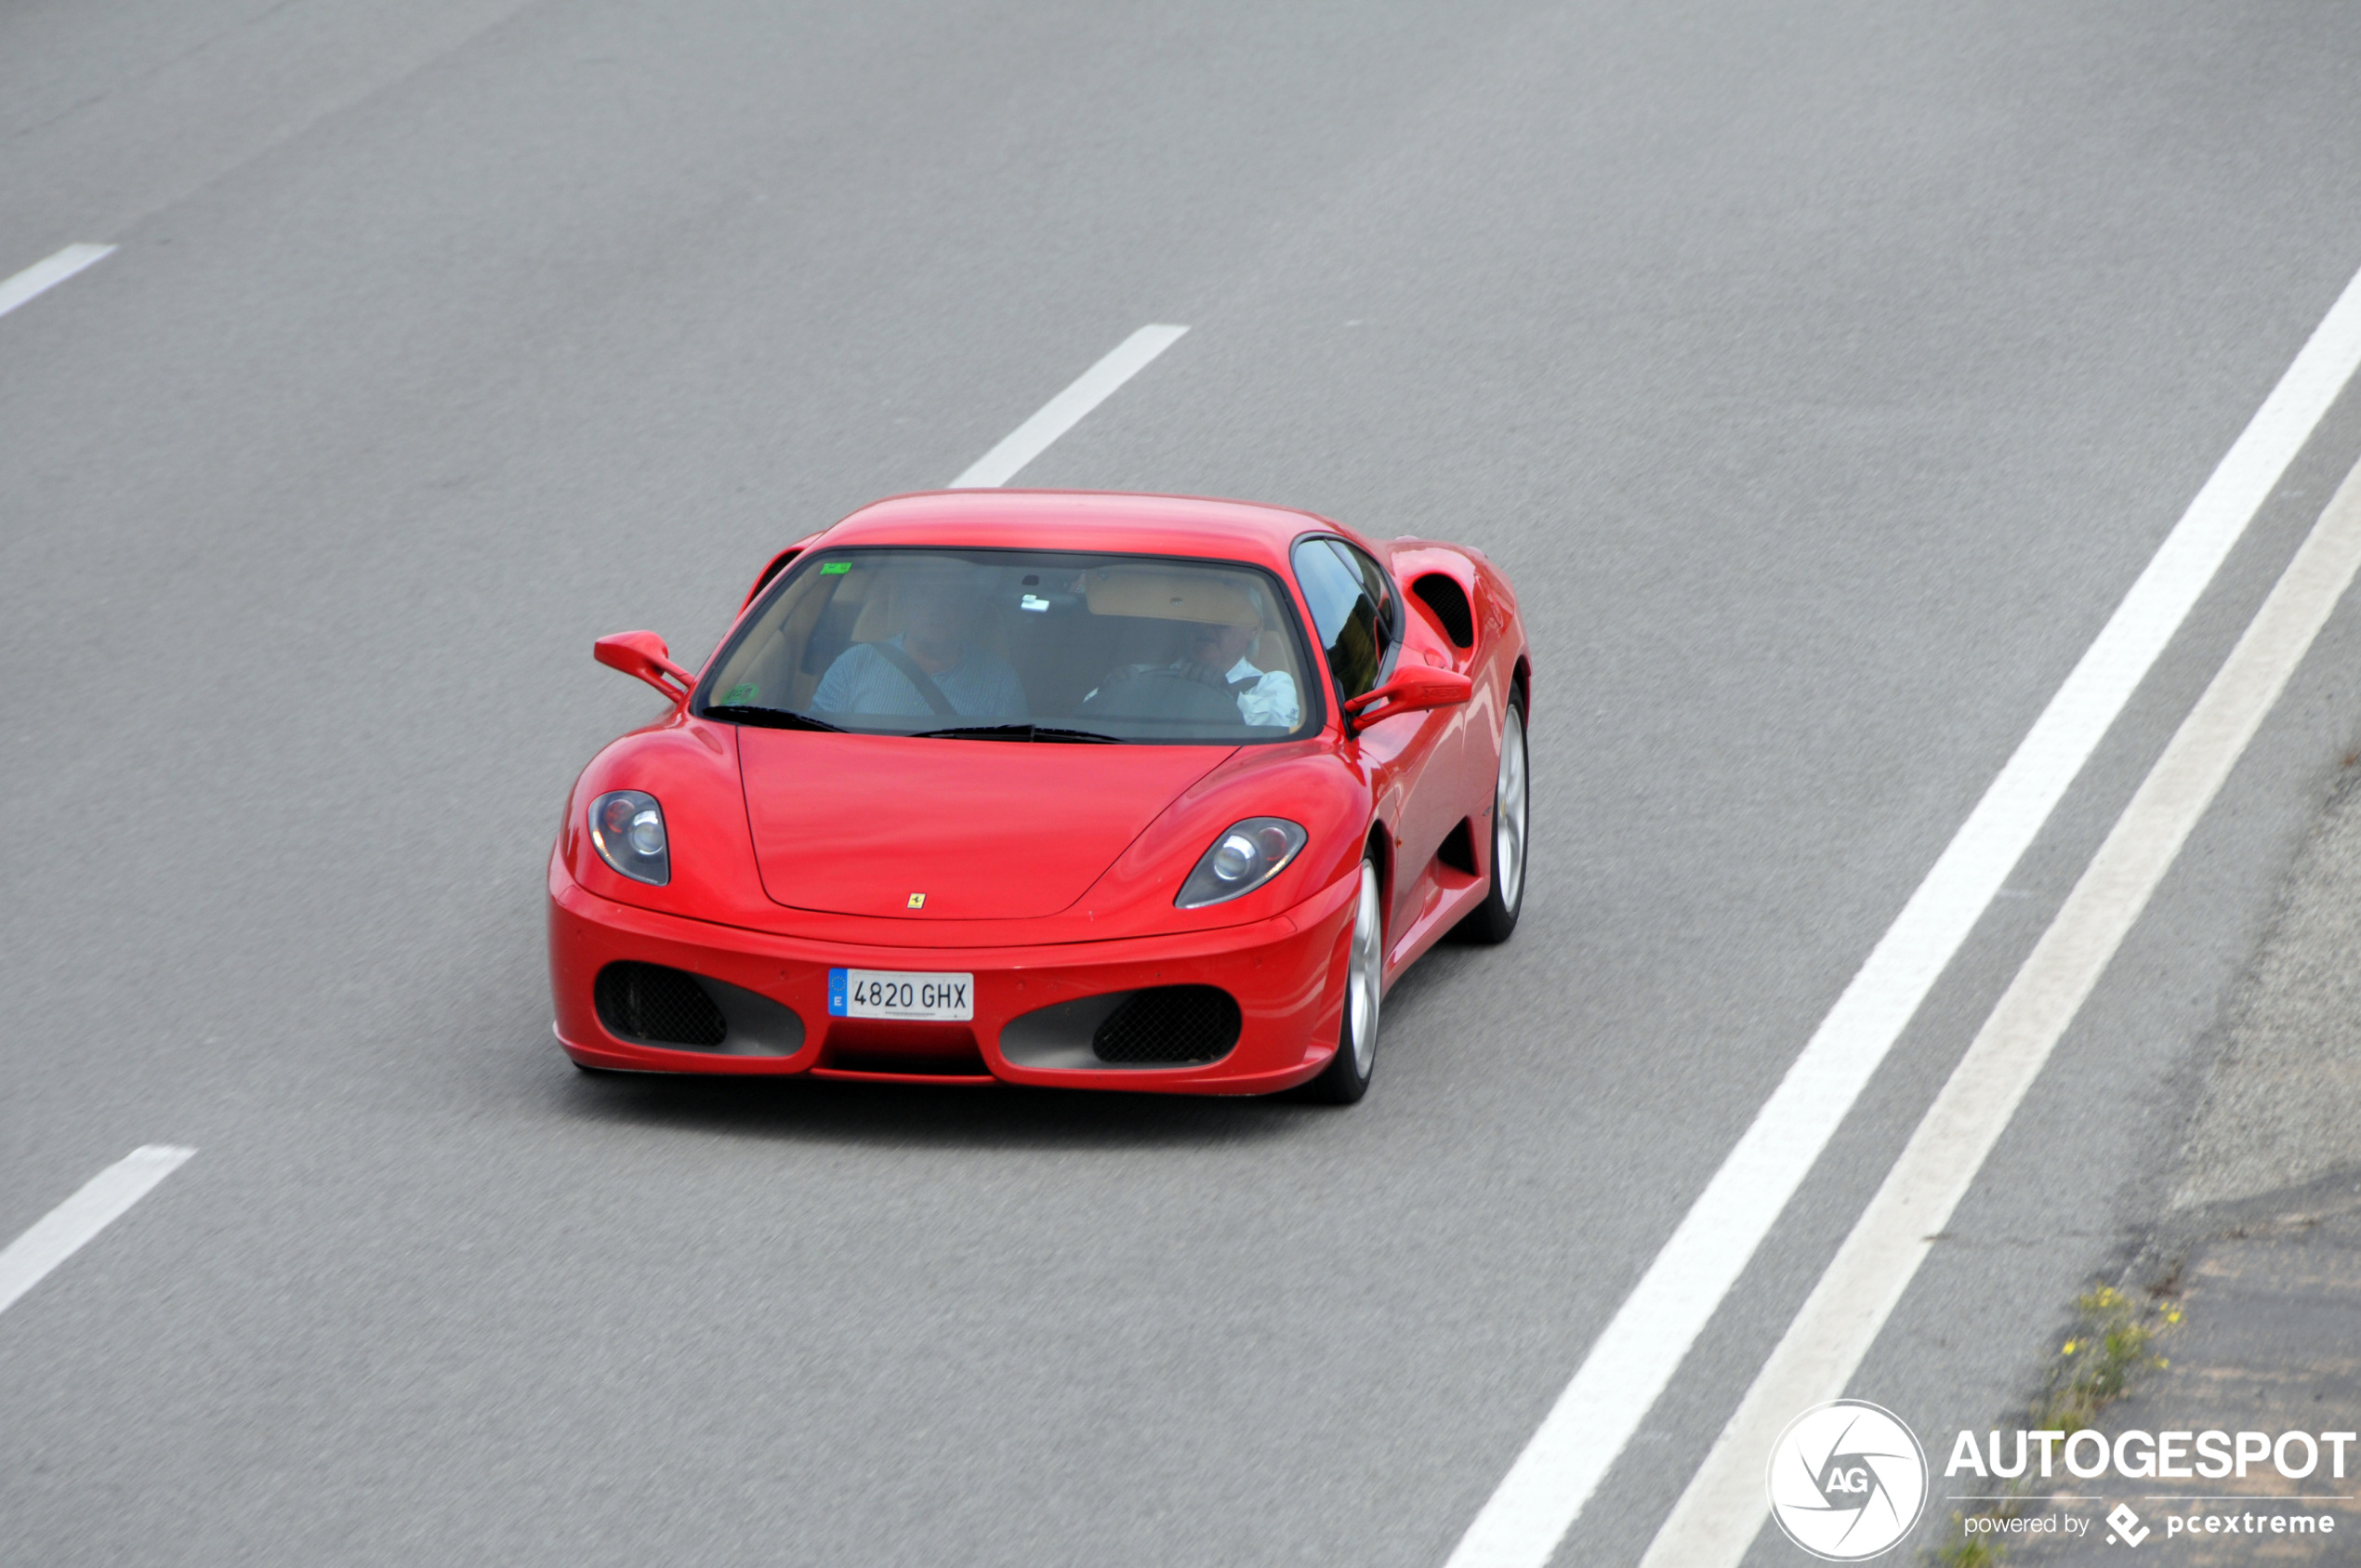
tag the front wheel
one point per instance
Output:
(1495, 918)
(1346, 1078)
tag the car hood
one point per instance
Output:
(977, 830)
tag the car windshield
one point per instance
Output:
(1021, 645)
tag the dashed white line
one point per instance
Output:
(1643, 1344)
(1719, 1514)
(103, 1199)
(47, 274)
(1066, 409)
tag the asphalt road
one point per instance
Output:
(1823, 374)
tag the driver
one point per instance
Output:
(933, 665)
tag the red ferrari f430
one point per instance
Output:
(1104, 791)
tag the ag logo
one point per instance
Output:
(1847, 1481)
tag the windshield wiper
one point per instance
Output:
(1018, 732)
(768, 718)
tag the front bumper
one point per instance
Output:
(1287, 974)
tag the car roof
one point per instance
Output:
(1081, 519)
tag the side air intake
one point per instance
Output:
(664, 1006)
(1169, 1024)
(649, 1003)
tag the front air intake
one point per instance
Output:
(1169, 1024)
(661, 1006)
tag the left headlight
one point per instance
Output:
(627, 826)
(1246, 856)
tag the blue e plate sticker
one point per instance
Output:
(901, 994)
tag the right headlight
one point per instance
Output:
(627, 826)
(1246, 856)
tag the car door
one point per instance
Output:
(1357, 614)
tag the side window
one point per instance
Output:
(1354, 611)
(1389, 605)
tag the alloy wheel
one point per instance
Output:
(1508, 813)
(1364, 981)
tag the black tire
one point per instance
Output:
(1346, 1078)
(1494, 920)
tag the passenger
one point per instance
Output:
(933, 667)
(1266, 698)
(1219, 656)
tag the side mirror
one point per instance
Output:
(1414, 689)
(642, 653)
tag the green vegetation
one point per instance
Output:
(2113, 1342)
(2112, 1345)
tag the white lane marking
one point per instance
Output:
(58, 1234)
(1717, 1516)
(1643, 1344)
(44, 275)
(1065, 411)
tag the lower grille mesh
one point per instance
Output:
(649, 1002)
(1169, 1024)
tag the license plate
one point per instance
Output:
(896, 994)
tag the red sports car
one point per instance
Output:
(1105, 791)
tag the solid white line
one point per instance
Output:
(43, 276)
(1637, 1354)
(1717, 1516)
(1065, 411)
(102, 1201)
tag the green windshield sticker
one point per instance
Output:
(833, 567)
(744, 692)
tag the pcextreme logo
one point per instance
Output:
(1847, 1481)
